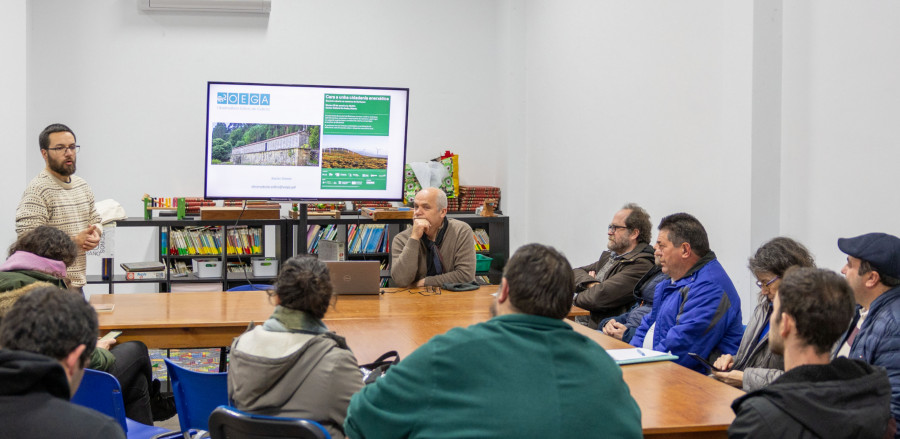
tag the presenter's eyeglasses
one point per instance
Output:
(613, 228)
(63, 149)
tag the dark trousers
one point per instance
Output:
(132, 369)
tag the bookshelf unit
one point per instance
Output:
(497, 229)
(291, 239)
(222, 228)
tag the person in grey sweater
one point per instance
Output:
(436, 249)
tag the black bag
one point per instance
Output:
(376, 369)
(461, 286)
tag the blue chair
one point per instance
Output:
(102, 392)
(196, 394)
(231, 423)
(252, 287)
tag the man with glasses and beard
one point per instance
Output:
(605, 287)
(59, 199)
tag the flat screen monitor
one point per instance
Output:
(305, 142)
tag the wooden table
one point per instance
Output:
(674, 401)
(186, 320)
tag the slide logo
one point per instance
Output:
(223, 98)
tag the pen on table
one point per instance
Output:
(641, 352)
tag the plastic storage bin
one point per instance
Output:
(482, 262)
(207, 268)
(265, 267)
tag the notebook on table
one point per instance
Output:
(355, 277)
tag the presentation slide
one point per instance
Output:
(299, 142)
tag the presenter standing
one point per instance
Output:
(59, 199)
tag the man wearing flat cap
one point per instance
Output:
(873, 271)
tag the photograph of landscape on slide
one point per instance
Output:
(343, 158)
(345, 168)
(265, 144)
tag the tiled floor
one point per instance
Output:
(203, 360)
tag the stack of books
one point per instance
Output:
(371, 204)
(180, 268)
(192, 241)
(315, 233)
(324, 207)
(193, 204)
(144, 270)
(472, 197)
(252, 204)
(482, 241)
(368, 238)
(244, 240)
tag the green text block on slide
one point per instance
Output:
(357, 115)
(354, 179)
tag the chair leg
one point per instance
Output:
(223, 358)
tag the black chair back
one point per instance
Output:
(230, 423)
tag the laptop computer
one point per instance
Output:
(355, 277)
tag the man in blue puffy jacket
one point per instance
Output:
(873, 271)
(698, 310)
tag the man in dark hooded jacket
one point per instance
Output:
(46, 339)
(814, 397)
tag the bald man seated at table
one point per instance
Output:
(436, 249)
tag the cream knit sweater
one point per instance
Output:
(66, 206)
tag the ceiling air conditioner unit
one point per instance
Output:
(242, 6)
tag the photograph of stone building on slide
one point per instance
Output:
(265, 144)
(345, 158)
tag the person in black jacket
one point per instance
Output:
(814, 397)
(623, 326)
(46, 341)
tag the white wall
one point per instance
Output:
(760, 117)
(841, 113)
(12, 116)
(136, 84)
(639, 101)
(133, 84)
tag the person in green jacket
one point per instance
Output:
(525, 373)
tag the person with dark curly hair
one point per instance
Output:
(40, 255)
(292, 365)
(39, 259)
(45, 343)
